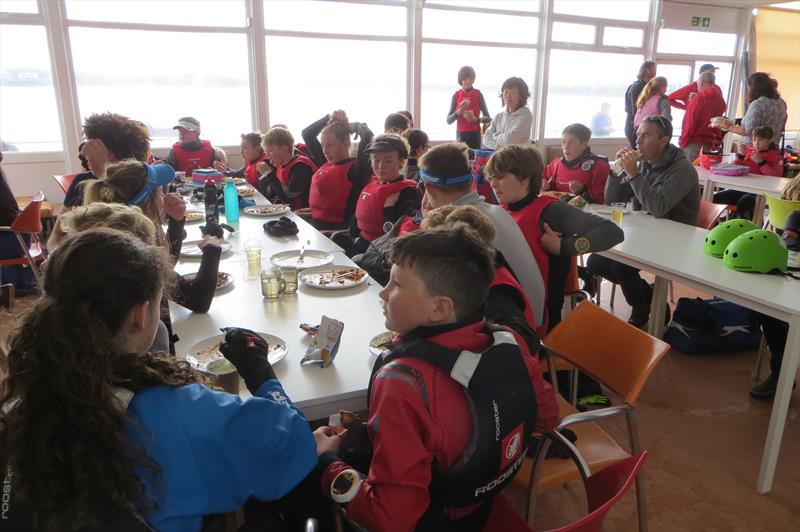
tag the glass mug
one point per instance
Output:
(272, 283)
(289, 276)
(617, 210)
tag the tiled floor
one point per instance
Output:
(705, 438)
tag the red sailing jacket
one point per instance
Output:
(251, 173)
(330, 190)
(771, 165)
(409, 435)
(369, 209)
(590, 169)
(474, 95)
(189, 161)
(697, 120)
(527, 219)
(283, 175)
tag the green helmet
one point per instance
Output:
(756, 251)
(718, 238)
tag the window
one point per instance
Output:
(691, 42)
(487, 27)
(512, 5)
(365, 78)
(148, 76)
(630, 37)
(440, 64)
(179, 12)
(580, 83)
(19, 6)
(28, 113)
(334, 17)
(637, 10)
(577, 33)
(678, 75)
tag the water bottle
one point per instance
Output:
(231, 196)
(212, 208)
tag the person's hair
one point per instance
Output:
(454, 264)
(647, 65)
(122, 183)
(409, 116)
(125, 138)
(416, 139)
(662, 123)
(395, 123)
(84, 160)
(337, 129)
(761, 84)
(461, 216)
(792, 189)
(128, 219)
(221, 155)
(66, 431)
(651, 88)
(708, 78)
(764, 132)
(465, 72)
(579, 131)
(254, 138)
(522, 89)
(448, 160)
(278, 136)
(524, 162)
(392, 142)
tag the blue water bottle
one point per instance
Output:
(231, 196)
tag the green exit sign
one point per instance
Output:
(702, 22)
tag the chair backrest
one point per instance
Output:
(64, 181)
(604, 489)
(607, 348)
(29, 220)
(779, 210)
(709, 212)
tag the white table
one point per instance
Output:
(750, 183)
(674, 252)
(318, 392)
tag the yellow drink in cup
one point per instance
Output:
(617, 211)
(252, 250)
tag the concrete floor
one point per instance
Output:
(705, 438)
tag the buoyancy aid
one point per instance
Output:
(474, 105)
(527, 219)
(189, 161)
(330, 190)
(369, 209)
(503, 403)
(251, 173)
(283, 174)
(504, 277)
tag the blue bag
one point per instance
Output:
(712, 325)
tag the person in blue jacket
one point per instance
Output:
(98, 434)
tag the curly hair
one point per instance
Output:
(761, 84)
(68, 450)
(124, 137)
(465, 217)
(113, 215)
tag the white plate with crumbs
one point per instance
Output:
(190, 249)
(332, 277)
(311, 258)
(195, 216)
(380, 343)
(266, 210)
(205, 355)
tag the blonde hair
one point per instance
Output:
(467, 217)
(111, 215)
(653, 87)
(792, 190)
(278, 136)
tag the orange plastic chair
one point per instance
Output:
(709, 212)
(28, 221)
(64, 181)
(622, 358)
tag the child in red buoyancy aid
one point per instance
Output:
(387, 196)
(468, 109)
(289, 181)
(579, 171)
(253, 153)
(337, 184)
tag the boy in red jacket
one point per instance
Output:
(697, 132)
(578, 171)
(468, 109)
(451, 405)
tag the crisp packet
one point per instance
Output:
(325, 344)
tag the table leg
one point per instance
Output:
(758, 209)
(657, 304)
(708, 191)
(780, 407)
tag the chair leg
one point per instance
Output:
(573, 386)
(533, 481)
(762, 349)
(641, 497)
(613, 293)
(598, 283)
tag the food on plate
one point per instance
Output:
(266, 209)
(194, 216)
(221, 366)
(344, 276)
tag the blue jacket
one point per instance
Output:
(215, 451)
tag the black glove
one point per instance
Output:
(249, 353)
(215, 229)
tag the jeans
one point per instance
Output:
(636, 290)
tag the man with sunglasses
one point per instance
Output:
(659, 179)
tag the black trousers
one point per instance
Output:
(636, 290)
(470, 138)
(745, 203)
(630, 132)
(775, 333)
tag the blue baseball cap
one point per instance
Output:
(426, 178)
(158, 175)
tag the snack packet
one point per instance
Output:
(325, 344)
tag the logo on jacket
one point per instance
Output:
(587, 165)
(730, 329)
(511, 446)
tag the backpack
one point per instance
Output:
(701, 326)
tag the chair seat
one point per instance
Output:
(595, 445)
(35, 251)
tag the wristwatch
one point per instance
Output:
(345, 486)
